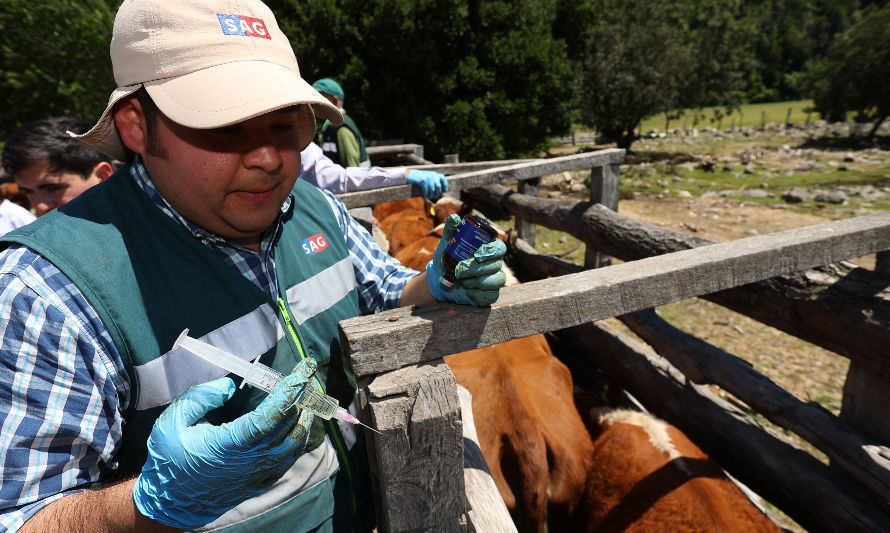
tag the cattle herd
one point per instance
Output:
(562, 458)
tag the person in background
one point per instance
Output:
(321, 171)
(344, 146)
(107, 426)
(50, 167)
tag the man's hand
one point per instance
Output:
(432, 184)
(196, 471)
(479, 278)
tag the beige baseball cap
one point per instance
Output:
(205, 63)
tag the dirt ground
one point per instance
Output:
(808, 371)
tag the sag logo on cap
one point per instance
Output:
(241, 25)
(314, 244)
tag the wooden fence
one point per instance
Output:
(410, 395)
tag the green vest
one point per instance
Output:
(328, 141)
(148, 279)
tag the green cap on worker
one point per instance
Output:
(329, 86)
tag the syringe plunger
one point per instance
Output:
(265, 378)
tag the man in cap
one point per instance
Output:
(343, 144)
(107, 426)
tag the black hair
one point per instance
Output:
(46, 140)
(151, 113)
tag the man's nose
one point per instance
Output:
(263, 154)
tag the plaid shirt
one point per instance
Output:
(63, 385)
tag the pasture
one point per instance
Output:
(745, 115)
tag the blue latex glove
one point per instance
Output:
(196, 471)
(432, 184)
(479, 278)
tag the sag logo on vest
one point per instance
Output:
(314, 244)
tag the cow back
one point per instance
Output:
(646, 475)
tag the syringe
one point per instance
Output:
(265, 378)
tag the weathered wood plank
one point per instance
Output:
(866, 394)
(821, 305)
(517, 172)
(604, 189)
(704, 363)
(393, 149)
(393, 339)
(470, 166)
(865, 401)
(525, 229)
(486, 511)
(813, 494)
(418, 455)
(882, 262)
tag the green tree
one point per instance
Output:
(788, 34)
(639, 58)
(54, 59)
(486, 80)
(855, 75)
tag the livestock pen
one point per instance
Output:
(793, 280)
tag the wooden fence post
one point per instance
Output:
(882, 262)
(866, 394)
(486, 510)
(604, 184)
(524, 228)
(418, 457)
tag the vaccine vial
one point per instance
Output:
(472, 233)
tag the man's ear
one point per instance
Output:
(130, 122)
(103, 170)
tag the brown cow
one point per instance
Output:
(648, 476)
(417, 204)
(417, 254)
(407, 221)
(11, 192)
(402, 229)
(531, 435)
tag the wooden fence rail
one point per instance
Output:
(517, 172)
(399, 337)
(821, 305)
(409, 393)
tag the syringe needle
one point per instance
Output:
(344, 415)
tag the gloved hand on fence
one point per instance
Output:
(479, 278)
(432, 184)
(196, 471)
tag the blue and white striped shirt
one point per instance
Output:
(63, 385)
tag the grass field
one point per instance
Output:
(747, 115)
